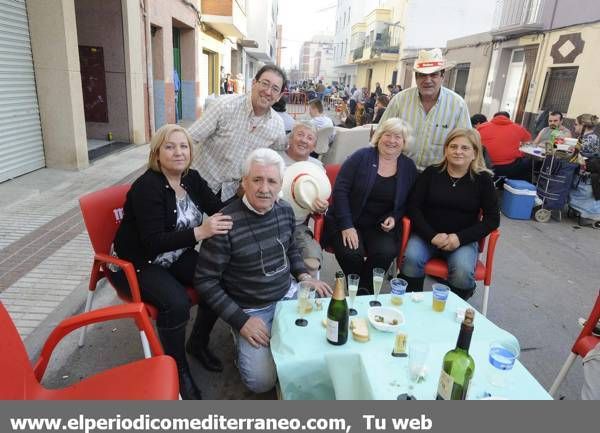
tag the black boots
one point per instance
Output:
(197, 344)
(415, 284)
(173, 342)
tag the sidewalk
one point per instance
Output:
(45, 254)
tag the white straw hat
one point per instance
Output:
(303, 182)
(430, 61)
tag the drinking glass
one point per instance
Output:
(417, 359)
(378, 274)
(306, 293)
(502, 357)
(353, 280)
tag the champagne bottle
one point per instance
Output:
(337, 313)
(458, 366)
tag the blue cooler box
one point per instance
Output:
(519, 199)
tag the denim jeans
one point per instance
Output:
(256, 365)
(461, 262)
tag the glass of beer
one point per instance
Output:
(439, 296)
(378, 274)
(353, 280)
(306, 293)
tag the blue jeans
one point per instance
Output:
(256, 365)
(461, 262)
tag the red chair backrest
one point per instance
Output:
(332, 171)
(102, 214)
(16, 372)
(586, 341)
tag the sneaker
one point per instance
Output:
(595, 331)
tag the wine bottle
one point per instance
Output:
(337, 313)
(458, 366)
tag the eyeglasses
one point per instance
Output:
(285, 264)
(420, 76)
(265, 85)
(277, 270)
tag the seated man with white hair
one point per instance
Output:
(243, 274)
(302, 142)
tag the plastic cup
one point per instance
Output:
(304, 305)
(417, 358)
(398, 289)
(502, 357)
(439, 297)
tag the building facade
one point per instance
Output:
(375, 45)
(71, 84)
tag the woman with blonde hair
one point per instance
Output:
(162, 223)
(445, 209)
(369, 200)
(584, 131)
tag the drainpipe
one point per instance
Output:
(149, 76)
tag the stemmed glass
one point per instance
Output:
(306, 294)
(353, 280)
(378, 274)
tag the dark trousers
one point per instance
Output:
(379, 247)
(520, 168)
(165, 288)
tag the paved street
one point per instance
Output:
(545, 277)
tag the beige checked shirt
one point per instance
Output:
(227, 132)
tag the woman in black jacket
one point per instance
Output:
(162, 223)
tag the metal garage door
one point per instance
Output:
(21, 147)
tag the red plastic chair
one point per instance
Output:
(438, 267)
(583, 344)
(332, 171)
(102, 213)
(147, 379)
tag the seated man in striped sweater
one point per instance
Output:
(243, 274)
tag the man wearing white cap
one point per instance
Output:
(303, 178)
(432, 110)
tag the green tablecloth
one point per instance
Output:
(310, 368)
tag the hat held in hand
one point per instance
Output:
(303, 182)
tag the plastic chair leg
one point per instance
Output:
(88, 307)
(145, 345)
(562, 373)
(486, 297)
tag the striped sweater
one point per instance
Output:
(430, 129)
(230, 275)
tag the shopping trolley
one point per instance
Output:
(554, 183)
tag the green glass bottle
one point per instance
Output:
(458, 366)
(337, 313)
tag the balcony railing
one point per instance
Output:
(358, 53)
(513, 16)
(384, 47)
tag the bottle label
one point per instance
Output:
(445, 386)
(332, 330)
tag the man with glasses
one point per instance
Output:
(431, 109)
(235, 125)
(243, 274)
